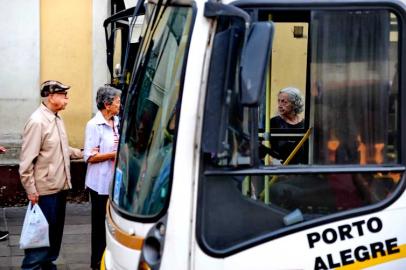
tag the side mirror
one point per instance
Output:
(117, 53)
(121, 20)
(254, 62)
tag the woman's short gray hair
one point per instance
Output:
(106, 95)
(295, 97)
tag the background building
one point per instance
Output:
(49, 39)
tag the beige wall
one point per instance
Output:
(66, 55)
(286, 72)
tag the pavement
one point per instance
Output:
(75, 250)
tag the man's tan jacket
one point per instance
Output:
(45, 154)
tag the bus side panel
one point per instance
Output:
(378, 241)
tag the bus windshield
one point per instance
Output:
(142, 178)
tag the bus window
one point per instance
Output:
(347, 153)
(352, 91)
(142, 177)
(290, 42)
(283, 116)
(288, 120)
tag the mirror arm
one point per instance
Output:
(254, 144)
(214, 9)
(133, 11)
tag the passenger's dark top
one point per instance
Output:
(278, 122)
(281, 147)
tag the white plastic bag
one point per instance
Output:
(35, 229)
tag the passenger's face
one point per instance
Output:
(58, 100)
(114, 107)
(285, 107)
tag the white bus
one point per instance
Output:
(204, 179)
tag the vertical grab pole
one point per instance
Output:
(267, 124)
(267, 131)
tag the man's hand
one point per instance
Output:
(33, 198)
(2, 149)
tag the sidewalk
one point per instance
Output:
(75, 251)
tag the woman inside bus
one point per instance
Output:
(101, 141)
(290, 107)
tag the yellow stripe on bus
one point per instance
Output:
(128, 240)
(375, 261)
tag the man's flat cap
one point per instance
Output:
(51, 87)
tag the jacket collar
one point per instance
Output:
(50, 115)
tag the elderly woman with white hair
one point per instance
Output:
(290, 105)
(101, 141)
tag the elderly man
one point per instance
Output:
(45, 169)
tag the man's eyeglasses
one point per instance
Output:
(61, 93)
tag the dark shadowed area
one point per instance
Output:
(12, 193)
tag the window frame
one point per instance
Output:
(138, 71)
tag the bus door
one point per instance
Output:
(123, 38)
(334, 198)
